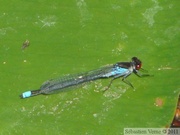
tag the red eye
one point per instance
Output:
(138, 66)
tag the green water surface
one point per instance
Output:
(79, 35)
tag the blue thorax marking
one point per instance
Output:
(119, 70)
(116, 70)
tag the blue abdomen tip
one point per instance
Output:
(26, 94)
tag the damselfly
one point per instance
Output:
(114, 71)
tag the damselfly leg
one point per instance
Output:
(142, 75)
(143, 70)
(123, 79)
(127, 82)
(109, 85)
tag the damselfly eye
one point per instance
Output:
(138, 66)
(137, 62)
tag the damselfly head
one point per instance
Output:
(137, 63)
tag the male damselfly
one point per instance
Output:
(114, 71)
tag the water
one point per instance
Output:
(80, 35)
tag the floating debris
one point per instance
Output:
(25, 44)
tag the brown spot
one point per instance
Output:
(159, 102)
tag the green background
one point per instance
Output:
(79, 35)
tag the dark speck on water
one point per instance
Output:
(25, 44)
